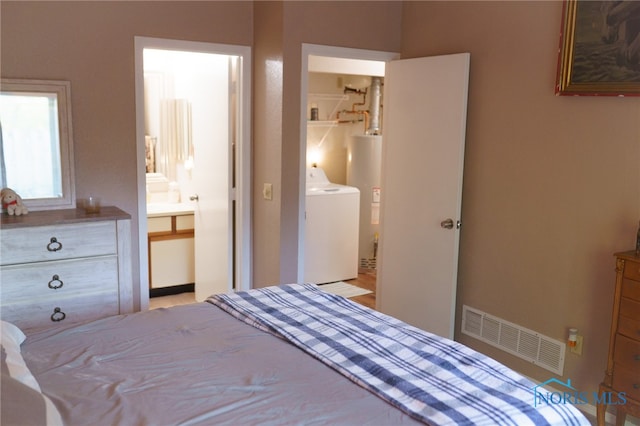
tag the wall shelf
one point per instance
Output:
(327, 102)
(330, 102)
(323, 123)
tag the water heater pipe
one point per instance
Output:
(374, 107)
(353, 110)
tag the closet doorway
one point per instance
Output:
(423, 139)
(193, 141)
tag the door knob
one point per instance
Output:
(194, 197)
(448, 224)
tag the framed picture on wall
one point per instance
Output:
(599, 48)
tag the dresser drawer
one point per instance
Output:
(65, 278)
(44, 243)
(29, 315)
(631, 289)
(629, 327)
(630, 308)
(627, 354)
(632, 270)
(626, 380)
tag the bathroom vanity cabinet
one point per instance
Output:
(171, 248)
(65, 266)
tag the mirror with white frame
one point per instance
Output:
(36, 142)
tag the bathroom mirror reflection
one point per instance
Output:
(36, 144)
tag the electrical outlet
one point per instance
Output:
(267, 191)
(577, 349)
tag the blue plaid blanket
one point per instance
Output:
(433, 379)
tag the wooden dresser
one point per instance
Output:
(65, 266)
(622, 377)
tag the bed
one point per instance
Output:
(289, 354)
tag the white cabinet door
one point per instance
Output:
(172, 262)
(425, 103)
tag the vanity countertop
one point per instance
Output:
(168, 209)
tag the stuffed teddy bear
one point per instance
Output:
(12, 202)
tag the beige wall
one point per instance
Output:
(267, 141)
(91, 44)
(551, 184)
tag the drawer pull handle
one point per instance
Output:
(53, 284)
(54, 245)
(637, 357)
(58, 315)
(636, 385)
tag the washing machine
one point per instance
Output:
(331, 229)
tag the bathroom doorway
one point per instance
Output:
(193, 135)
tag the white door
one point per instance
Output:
(211, 178)
(425, 104)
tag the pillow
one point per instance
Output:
(20, 397)
(11, 337)
(10, 333)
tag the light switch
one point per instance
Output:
(267, 191)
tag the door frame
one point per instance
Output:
(242, 266)
(343, 53)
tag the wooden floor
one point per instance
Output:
(366, 279)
